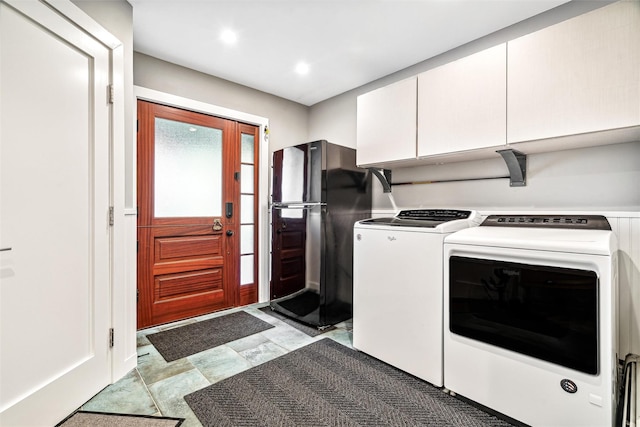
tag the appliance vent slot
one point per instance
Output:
(628, 407)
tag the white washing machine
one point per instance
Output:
(398, 285)
(530, 324)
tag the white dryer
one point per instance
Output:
(398, 286)
(530, 318)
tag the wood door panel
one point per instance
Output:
(186, 265)
(185, 230)
(289, 258)
(182, 308)
(187, 294)
(292, 267)
(292, 275)
(179, 285)
(182, 249)
(175, 248)
(293, 240)
(248, 294)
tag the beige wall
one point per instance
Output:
(287, 120)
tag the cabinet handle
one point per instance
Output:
(5, 249)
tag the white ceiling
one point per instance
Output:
(346, 43)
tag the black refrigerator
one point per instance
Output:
(317, 194)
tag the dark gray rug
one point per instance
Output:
(312, 332)
(328, 384)
(102, 419)
(193, 338)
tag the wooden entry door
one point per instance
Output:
(189, 217)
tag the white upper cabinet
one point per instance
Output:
(573, 84)
(386, 124)
(579, 76)
(462, 105)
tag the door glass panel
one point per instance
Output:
(546, 312)
(246, 182)
(188, 170)
(246, 269)
(246, 239)
(292, 176)
(247, 148)
(246, 209)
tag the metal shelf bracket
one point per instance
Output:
(384, 176)
(517, 165)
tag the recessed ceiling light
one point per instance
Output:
(302, 68)
(228, 36)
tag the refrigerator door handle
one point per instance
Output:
(300, 205)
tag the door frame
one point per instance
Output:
(263, 248)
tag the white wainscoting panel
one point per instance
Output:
(627, 230)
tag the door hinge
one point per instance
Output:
(111, 338)
(111, 218)
(111, 94)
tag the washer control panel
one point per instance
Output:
(583, 222)
(433, 214)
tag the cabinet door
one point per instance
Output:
(578, 76)
(462, 105)
(387, 124)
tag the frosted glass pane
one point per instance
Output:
(292, 213)
(246, 179)
(247, 148)
(188, 170)
(293, 169)
(246, 209)
(246, 239)
(246, 269)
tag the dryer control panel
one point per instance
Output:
(582, 222)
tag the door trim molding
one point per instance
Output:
(151, 95)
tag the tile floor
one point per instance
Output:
(156, 387)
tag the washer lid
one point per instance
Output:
(403, 222)
(440, 220)
(595, 242)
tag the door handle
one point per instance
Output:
(5, 249)
(229, 232)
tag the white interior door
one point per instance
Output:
(54, 200)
